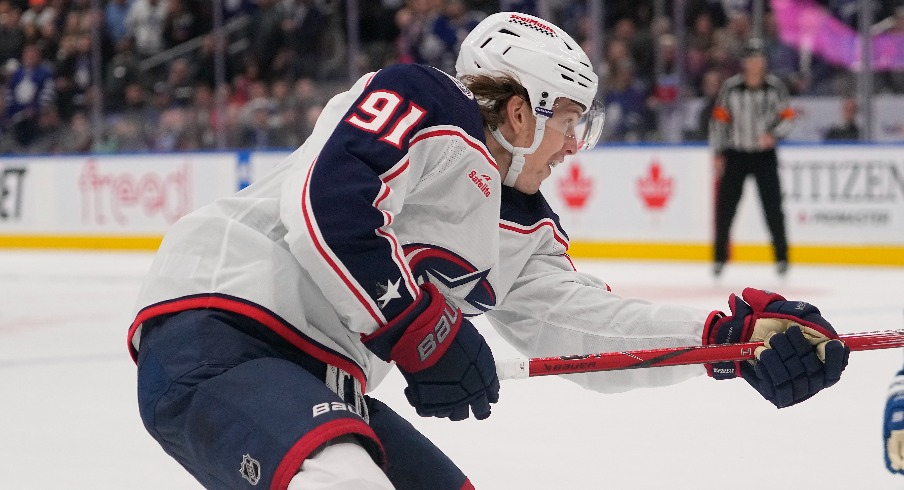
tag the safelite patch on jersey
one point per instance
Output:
(481, 181)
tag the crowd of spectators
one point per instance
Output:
(155, 88)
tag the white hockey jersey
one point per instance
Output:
(395, 187)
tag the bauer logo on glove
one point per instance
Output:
(447, 363)
(801, 353)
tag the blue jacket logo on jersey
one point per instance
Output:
(454, 276)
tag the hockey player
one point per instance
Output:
(893, 425)
(267, 316)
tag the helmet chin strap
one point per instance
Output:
(519, 152)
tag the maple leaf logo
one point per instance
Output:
(655, 188)
(575, 187)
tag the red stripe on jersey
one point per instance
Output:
(383, 195)
(468, 485)
(395, 173)
(387, 217)
(452, 132)
(541, 224)
(410, 283)
(308, 443)
(432, 252)
(352, 286)
(570, 262)
(254, 312)
(413, 289)
(372, 75)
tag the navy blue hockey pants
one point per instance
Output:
(240, 408)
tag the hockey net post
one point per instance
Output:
(520, 368)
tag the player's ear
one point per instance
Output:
(517, 111)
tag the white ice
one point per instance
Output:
(69, 416)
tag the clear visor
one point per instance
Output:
(585, 127)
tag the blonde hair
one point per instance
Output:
(492, 93)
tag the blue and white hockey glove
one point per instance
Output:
(802, 353)
(447, 363)
(893, 425)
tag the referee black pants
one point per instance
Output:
(764, 167)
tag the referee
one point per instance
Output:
(751, 113)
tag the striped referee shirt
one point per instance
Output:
(742, 114)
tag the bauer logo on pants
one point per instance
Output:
(251, 469)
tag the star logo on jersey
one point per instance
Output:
(390, 292)
(454, 276)
(251, 469)
(460, 286)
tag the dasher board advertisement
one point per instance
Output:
(106, 196)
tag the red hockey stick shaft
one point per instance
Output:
(672, 356)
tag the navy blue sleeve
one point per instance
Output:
(364, 166)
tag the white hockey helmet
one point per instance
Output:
(547, 62)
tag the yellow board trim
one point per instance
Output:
(892, 255)
(78, 242)
(801, 254)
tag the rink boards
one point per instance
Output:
(843, 203)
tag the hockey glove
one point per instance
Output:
(893, 426)
(802, 353)
(447, 363)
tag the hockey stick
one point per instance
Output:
(673, 356)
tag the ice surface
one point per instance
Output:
(69, 416)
